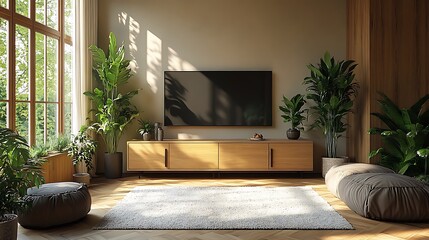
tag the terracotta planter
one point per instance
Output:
(327, 163)
(9, 228)
(113, 165)
(84, 178)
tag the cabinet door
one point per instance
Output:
(193, 156)
(147, 156)
(243, 156)
(291, 156)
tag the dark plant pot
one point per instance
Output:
(147, 136)
(113, 165)
(293, 134)
(9, 228)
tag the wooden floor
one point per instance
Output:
(105, 194)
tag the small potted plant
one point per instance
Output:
(18, 172)
(81, 151)
(146, 127)
(293, 112)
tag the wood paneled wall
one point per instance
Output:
(389, 41)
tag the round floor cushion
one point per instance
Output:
(335, 174)
(55, 204)
(386, 196)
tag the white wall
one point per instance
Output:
(279, 35)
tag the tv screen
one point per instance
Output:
(217, 98)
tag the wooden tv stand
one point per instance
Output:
(220, 155)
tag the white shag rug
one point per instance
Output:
(185, 207)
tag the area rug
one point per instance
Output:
(185, 207)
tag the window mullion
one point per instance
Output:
(45, 89)
(60, 117)
(12, 55)
(32, 121)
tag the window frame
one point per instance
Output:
(13, 18)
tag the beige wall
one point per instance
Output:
(279, 35)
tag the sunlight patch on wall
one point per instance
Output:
(122, 17)
(133, 31)
(154, 61)
(176, 63)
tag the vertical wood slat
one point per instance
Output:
(382, 56)
(394, 62)
(422, 46)
(406, 47)
(358, 46)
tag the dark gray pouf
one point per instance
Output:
(386, 196)
(334, 176)
(55, 204)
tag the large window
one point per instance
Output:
(36, 67)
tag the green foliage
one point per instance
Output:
(292, 110)
(60, 143)
(17, 172)
(39, 151)
(331, 88)
(82, 148)
(113, 110)
(405, 136)
(145, 126)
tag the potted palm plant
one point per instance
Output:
(81, 150)
(113, 109)
(293, 113)
(17, 173)
(331, 87)
(146, 127)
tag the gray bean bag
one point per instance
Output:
(55, 204)
(386, 196)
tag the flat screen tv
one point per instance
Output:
(217, 98)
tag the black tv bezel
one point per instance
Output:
(269, 124)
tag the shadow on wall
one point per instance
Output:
(175, 103)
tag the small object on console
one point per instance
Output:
(257, 137)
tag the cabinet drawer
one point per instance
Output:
(193, 156)
(291, 156)
(147, 156)
(243, 156)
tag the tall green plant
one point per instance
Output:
(405, 133)
(331, 88)
(113, 110)
(292, 110)
(17, 172)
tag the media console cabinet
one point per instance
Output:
(220, 155)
